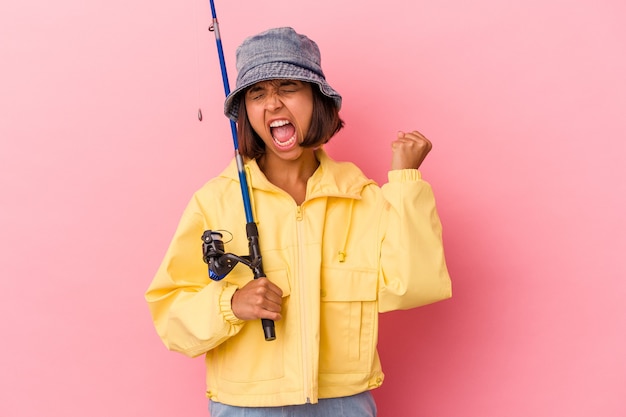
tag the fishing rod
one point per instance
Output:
(221, 263)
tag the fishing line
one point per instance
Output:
(198, 78)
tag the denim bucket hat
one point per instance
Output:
(278, 53)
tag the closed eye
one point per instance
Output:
(255, 93)
(283, 87)
(289, 86)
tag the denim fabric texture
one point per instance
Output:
(279, 53)
(360, 405)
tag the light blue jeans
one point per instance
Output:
(360, 405)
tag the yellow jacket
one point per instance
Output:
(350, 251)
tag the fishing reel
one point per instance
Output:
(221, 263)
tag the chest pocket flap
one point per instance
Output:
(340, 284)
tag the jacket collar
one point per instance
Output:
(331, 179)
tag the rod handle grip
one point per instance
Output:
(268, 329)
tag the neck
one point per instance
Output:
(290, 175)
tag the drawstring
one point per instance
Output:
(342, 253)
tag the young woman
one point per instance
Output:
(337, 250)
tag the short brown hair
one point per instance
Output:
(325, 123)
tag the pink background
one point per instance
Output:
(101, 149)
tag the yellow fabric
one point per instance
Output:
(350, 251)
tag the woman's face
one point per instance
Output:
(280, 112)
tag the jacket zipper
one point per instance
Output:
(306, 369)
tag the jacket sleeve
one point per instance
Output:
(192, 314)
(413, 269)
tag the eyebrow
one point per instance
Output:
(283, 83)
(263, 84)
(255, 88)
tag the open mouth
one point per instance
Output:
(283, 133)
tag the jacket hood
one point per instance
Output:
(333, 179)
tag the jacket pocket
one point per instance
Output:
(247, 356)
(348, 320)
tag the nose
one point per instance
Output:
(272, 102)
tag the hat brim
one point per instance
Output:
(276, 71)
